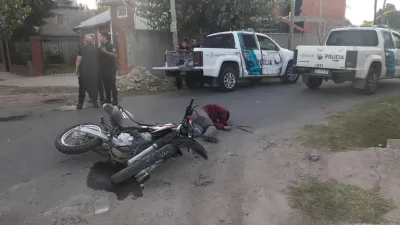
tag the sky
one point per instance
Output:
(356, 12)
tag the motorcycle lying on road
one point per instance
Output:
(140, 147)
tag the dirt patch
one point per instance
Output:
(339, 202)
(13, 118)
(11, 96)
(369, 124)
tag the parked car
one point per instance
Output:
(362, 55)
(227, 57)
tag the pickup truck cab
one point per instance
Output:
(362, 55)
(226, 57)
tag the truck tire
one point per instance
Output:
(371, 82)
(193, 83)
(227, 79)
(314, 82)
(289, 77)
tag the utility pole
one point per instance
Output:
(173, 26)
(291, 18)
(375, 8)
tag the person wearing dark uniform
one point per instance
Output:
(195, 44)
(109, 68)
(87, 68)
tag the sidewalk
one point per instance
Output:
(8, 79)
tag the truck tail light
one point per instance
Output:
(351, 59)
(197, 58)
(295, 56)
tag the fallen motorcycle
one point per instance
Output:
(141, 147)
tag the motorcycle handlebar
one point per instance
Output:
(191, 102)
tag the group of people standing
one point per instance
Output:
(96, 68)
(184, 46)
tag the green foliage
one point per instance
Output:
(207, 16)
(40, 10)
(12, 15)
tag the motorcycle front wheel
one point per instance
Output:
(147, 161)
(72, 142)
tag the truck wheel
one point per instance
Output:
(289, 77)
(314, 82)
(192, 83)
(371, 82)
(227, 79)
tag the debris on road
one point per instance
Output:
(312, 157)
(142, 79)
(203, 180)
(101, 205)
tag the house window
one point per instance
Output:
(122, 11)
(60, 19)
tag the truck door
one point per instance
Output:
(390, 54)
(397, 46)
(251, 54)
(272, 58)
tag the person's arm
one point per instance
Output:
(78, 61)
(219, 126)
(111, 51)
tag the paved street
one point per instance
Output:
(41, 186)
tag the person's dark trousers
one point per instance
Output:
(82, 93)
(111, 88)
(101, 87)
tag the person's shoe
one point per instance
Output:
(79, 106)
(210, 139)
(114, 103)
(95, 105)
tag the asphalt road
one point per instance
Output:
(39, 185)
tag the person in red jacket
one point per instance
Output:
(219, 116)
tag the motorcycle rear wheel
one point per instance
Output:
(90, 143)
(149, 160)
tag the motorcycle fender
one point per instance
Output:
(92, 132)
(191, 143)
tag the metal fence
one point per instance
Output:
(60, 54)
(20, 52)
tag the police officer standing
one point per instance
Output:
(109, 68)
(87, 68)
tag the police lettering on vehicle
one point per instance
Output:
(334, 57)
(264, 62)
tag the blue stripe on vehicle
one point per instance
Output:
(390, 62)
(250, 58)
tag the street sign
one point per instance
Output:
(173, 27)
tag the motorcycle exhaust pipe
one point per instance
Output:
(140, 155)
(159, 142)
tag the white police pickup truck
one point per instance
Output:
(362, 55)
(226, 57)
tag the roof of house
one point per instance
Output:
(97, 20)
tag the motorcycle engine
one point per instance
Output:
(132, 141)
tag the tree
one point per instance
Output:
(100, 8)
(389, 15)
(367, 23)
(208, 16)
(40, 11)
(12, 15)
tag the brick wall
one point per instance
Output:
(119, 26)
(330, 9)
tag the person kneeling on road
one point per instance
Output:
(204, 125)
(219, 116)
